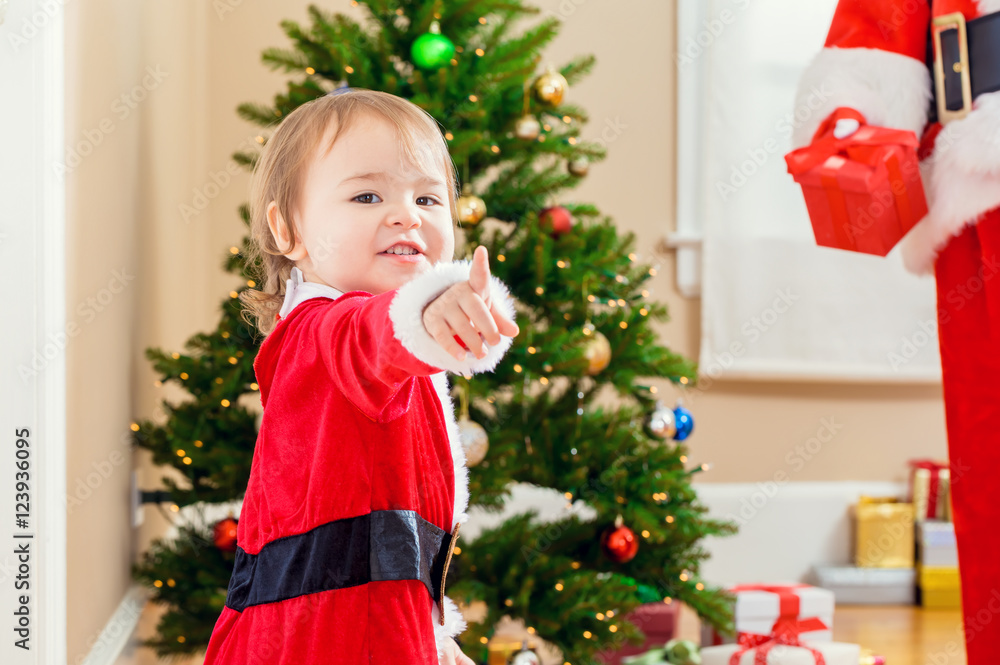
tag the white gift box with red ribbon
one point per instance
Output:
(760, 606)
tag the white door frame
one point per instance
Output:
(33, 336)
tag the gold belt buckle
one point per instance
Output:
(941, 23)
(447, 562)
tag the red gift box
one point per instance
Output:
(930, 481)
(657, 620)
(863, 192)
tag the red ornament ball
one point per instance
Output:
(224, 534)
(620, 544)
(556, 219)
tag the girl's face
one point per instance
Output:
(361, 199)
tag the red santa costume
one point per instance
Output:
(357, 486)
(878, 60)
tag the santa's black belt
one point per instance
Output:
(969, 63)
(382, 545)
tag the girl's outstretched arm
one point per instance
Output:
(372, 344)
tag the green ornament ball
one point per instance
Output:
(432, 50)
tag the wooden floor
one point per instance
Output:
(904, 635)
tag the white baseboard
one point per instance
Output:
(119, 629)
(784, 530)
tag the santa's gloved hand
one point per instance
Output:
(845, 127)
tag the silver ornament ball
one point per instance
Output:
(662, 422)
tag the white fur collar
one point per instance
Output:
(988, 6)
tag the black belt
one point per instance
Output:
(967, 69)
(382, 545)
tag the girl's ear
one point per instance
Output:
(282, 236)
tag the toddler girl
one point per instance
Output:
(358, 482)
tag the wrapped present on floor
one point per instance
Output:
(659, 623)
(884, 533)
(502, 651)
(759, 607)
(863, 192)
(777, 652)
(869, 586)
(930, 482)
(939, 587)
(674, 652)
(936, 546)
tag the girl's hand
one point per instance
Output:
(453, 655)
(465, 309)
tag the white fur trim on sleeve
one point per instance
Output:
(440, 381)
(454, 624)
(406, 313)
(961, 180)
(889, 89)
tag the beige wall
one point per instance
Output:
(102, 200)
(124, 212)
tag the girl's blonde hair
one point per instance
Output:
(280, 172)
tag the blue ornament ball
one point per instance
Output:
(684, 422)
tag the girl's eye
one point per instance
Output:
(432, 200)
(362, 196)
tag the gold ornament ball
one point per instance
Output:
(550, 87)
(471, 209)
(579, 166)
(527, 128)
(474, 440)
(597, 352)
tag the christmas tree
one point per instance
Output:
(632, 527)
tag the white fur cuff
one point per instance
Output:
(454, 624)
(406, 313)
(889, 89)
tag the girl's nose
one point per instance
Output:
(406, 216)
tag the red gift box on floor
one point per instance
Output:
(863, 192)
(657, 620)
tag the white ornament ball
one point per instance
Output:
(475, 441)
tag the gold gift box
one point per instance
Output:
(939, 587)
(500, 650)
(884, 533)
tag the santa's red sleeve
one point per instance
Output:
(373, 344)
(874, 61)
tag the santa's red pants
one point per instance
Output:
(968, 300)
